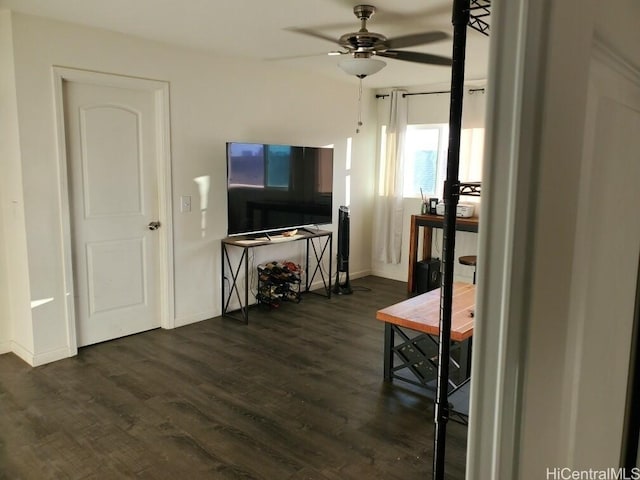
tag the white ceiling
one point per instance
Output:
(258, 29)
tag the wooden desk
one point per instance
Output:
(429, 222)
(422, 313)
(411, 337)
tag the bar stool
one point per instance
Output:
(471, 261)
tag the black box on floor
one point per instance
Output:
(427, 274)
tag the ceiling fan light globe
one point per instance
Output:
(361, 67)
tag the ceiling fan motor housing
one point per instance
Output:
(364, 12)
(363, 41)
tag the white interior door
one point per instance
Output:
(113, 185)
(607, 249)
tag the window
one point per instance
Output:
(425, 158)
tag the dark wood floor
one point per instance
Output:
(297, 394)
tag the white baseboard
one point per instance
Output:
(36, 360)
(199, 317)
(458, 277)
(22, 352)
(360, 274)
(52, 356)
(5, 347)
(398, 276)
(352, 276)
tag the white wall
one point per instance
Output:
(213, 100)
(5, 325)
(433, 109)
(7, 117)
(15, 334)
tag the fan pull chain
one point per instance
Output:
(359, 107)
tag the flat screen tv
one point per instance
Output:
(277, 187)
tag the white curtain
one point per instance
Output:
(389, 209)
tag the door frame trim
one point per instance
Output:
(513, 130)
(160, 89)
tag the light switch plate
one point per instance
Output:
(185, 203)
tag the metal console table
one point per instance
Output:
(318, 242)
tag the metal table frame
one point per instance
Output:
(318, 242)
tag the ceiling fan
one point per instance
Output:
(363, 45)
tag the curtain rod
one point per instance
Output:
(471, 90)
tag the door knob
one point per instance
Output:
(153, 225)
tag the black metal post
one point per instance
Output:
(222, 280)
(460, 19)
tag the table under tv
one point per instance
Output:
(318, 244)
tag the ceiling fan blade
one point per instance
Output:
(416, 39)
(312, 33)
(295, 57)
(416, 57)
